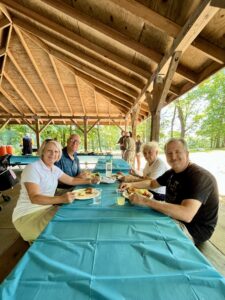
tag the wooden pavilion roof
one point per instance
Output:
(63, 61)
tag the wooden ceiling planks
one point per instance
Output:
(67, 60)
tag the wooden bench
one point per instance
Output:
(214, 256)
(10, 256)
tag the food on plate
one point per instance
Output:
(89, 190)
(143, 192)
(93, 175)
(81, 193)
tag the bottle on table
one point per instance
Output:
(108, 168)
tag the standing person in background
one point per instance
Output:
(138, 152)
(121, 142)
(129, 153)
(27, 144)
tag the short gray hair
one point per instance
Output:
(171, 140)
(44, 144)
(150, 145)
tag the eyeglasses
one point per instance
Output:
(75, 141)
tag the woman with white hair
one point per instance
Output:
(154, 168)
(37, 204)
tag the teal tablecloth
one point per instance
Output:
(117, 165)
(112, 252)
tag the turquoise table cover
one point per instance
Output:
(118, 164)
(112, 252)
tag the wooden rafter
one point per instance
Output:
(41, 76)
(14, 85)
(172, 29)
(26, 80)
(168, 79)
(72, 37)
(84, 60)
(192, 27)
(80, 96)
(115, 35)
(5, 123)
(9, 98)
(60, 81)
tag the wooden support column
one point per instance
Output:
(155, 115)
(85, 134)
(134, 120)
(37, 131)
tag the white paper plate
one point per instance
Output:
(78, 194)
(107, 179)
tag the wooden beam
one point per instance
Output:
(46, 125)
(89, 129)
(86, 61)
(4, 23)
(5, 48)
(171, 28)
(37, 131)
(31, 57)
(102, 28)
(191, 29)
(115, 103)
(96, 103)
(81, 129)
(85, 133)
(4, 124)
(69, 58)
(15, 87)
(75, 38)
(28, 124)
(98, 83)
(81, 99)
(26, 80)
(151, 54)
(9, 98)
(114, 98)
(53, 117)
(218, 3)
(168, 80)
(60, 82)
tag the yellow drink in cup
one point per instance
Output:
(120, 200)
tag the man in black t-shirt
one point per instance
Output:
(191, 192)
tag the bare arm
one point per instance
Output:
(36, 197)
(183, 212)
(77, 180)
(144, 184)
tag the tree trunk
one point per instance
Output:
(182, 122)
(99, 139)
(172, 122)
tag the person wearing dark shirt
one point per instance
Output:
(121, 141)
(138, 144)
(27, 145)
(191, 193)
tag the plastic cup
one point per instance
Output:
(120, 200)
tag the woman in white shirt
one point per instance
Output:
(37, 204)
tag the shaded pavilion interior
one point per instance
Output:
(88, 62)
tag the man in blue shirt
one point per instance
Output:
(69, 162)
